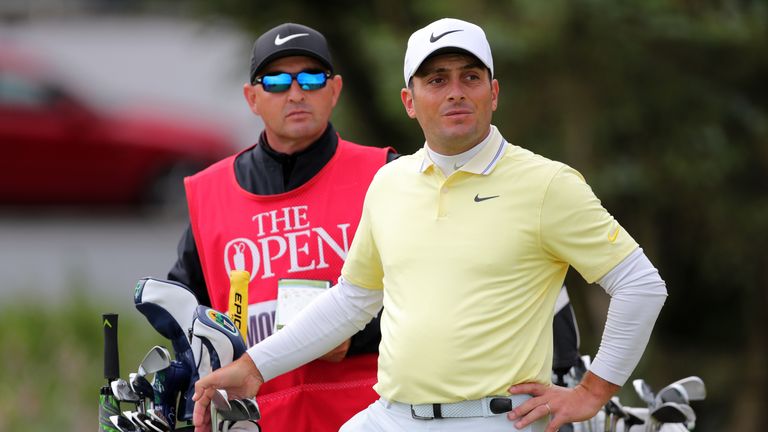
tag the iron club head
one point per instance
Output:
(157, 359)
(122, 391)
(220, 400)
(122, 423)
(694, 387)
(644, 391)
(671, 412)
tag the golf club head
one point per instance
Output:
(694, 387)
(157, 359)
(635, 416)
(614, 407)
(220, 401)
(672, 393)
(131, 415)
(159, 419)
(644, 391)
(141, 386)
(122, 423)
(122, 391)
(690, 416)
(253, 409)
(239, 411)
(141, 418)
(151, 424)
(671, 412)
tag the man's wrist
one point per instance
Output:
(598, 388)
(251, 368)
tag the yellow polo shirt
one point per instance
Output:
(471, 266)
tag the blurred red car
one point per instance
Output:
(56, 149)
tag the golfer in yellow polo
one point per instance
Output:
(466, 244)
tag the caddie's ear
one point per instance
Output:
(251, 98)
(406, 95)
(335, 83)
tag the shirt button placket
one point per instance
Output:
(442, 202)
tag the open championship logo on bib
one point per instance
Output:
(284, 241)
(242, 254)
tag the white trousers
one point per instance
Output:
(384, 416)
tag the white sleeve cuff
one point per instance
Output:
(637, 295)
(329, 320)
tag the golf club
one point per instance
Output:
(108, 404)
(158, 358)
(668, 412)
(131, 415)
(159, 418)
(692, 387)
(142, 388)
(614, 411)
(672, 393)
(123, 392)
(644, 391)
(151, 423)
(122, 423)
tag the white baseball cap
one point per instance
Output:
(446, 35)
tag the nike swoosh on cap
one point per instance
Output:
(433, 38)
(280, 41)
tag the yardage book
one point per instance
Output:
(293, 295)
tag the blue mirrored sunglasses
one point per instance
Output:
(278, 82)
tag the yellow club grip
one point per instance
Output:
(238, 301)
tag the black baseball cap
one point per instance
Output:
(289, 39)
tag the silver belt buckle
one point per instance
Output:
(418, 417)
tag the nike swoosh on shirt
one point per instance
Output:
(433, 38)
(612, 237)
(478, 198)
(280, 41)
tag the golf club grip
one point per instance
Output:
(111, 356)
(238, 301)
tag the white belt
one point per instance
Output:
(485, 407)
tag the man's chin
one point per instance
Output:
(299, 130)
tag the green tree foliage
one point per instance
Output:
(661, 104)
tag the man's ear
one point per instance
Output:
(406, 95)
(249, 92)
(494, 94)
(336, 84)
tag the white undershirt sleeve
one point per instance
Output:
(637, 295)
(329, 320)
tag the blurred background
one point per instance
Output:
(105, 105)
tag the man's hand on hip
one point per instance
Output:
(565, 405)
(241, 379)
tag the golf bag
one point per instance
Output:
(203, 340)
(169, 307)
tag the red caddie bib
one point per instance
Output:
(301, 234)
